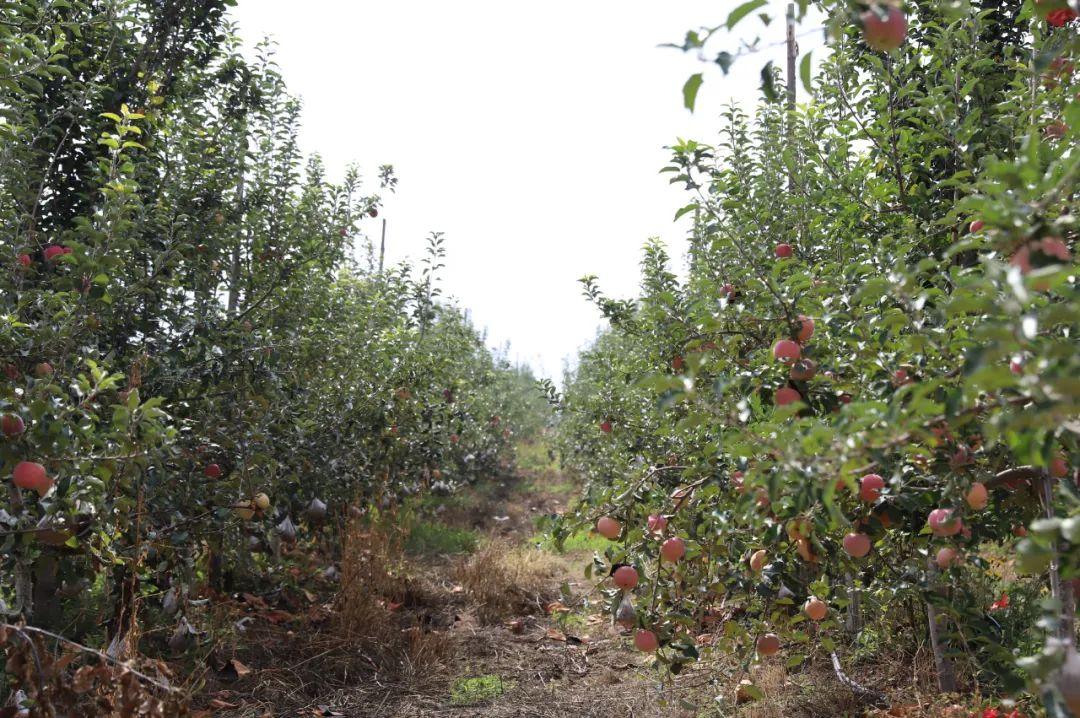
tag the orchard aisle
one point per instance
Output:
(482, 618)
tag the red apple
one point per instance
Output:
(786, 351)
(976, 226)
(758, 559)
(803, 370)
(815, 609)
(677, 363)
(728, 290)
(1016, 367)
(977, 496)
(786, 395)
(454, 438)
(870, 487)
(646, 641)
(1059, 467)
(656, 524)
(945, 558)
(768, 645)
(53, 251)
(24, 260)
(737, 482)
(783, 251)
(884, 32)
(212, 471)
(1019, 531)
(12, 425)
(31, 476)
(625, 577)
(673, 549)
(806, 329)
(857, 545)
(605, 426)
(608, 527)
(942, 522)
(43, 370)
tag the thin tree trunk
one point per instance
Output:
(854, 622)
(942, 665)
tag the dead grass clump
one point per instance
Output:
(389, 615)
(503, 580)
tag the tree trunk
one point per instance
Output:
(47, 610)
(942, 665)
(854, 622)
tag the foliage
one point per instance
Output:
(943, 351)
(197, 357)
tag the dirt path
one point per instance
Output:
(509, 628)
(536, 645)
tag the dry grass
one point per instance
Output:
(380, 605)
(503, 580)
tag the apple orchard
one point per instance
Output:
(852, 422)
(863, 397)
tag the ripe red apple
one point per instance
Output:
(646, 641)
(977, 496)
(43, 370)
(1020, 531)
(608, 527)
(815, 609)
(870, 487)
(884, 32)
(942, 522)
(900, 377)
(656, 524)
(605, 426)
(857, 545)
(1059, 467)
(976, 226)
(803, 370)
(53, 251)
(625, 577)
(673, 549)
(1016, 367)
(454, 438)
(677, 363)
(845, 398)
(768, 645)
(737, 482)
(758, 559)
(32, 477)
(24, 260)
(728, 290)
(786, 395)
(945, 557)
(786, 351)
(783, 251)
(806, 329)
(212, 471)
(12, 425)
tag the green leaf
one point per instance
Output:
(804, 73)
(742, 11)
(690, 90)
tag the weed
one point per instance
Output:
(479, 689)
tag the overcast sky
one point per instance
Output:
(530, 133)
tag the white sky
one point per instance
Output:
(531, 134)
